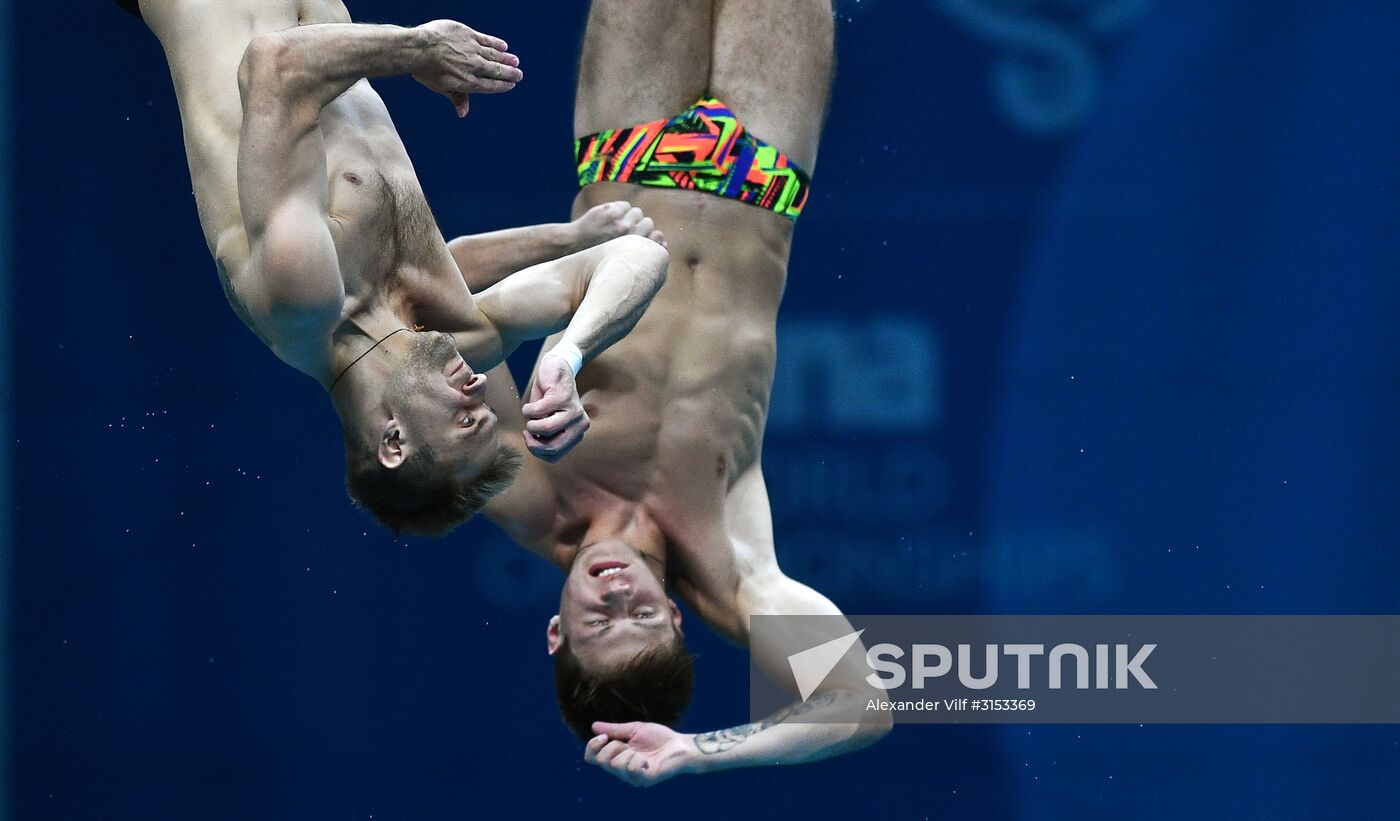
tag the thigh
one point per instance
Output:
(642, 60)
(772, 65)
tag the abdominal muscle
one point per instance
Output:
(678, 406)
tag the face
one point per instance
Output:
(612, 607)
(436, 400)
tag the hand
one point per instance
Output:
(610, 221)
(463, 62)
(639, 753)
(555, 420)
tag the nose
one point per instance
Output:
(621, 590)
(474, 386)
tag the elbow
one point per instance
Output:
(880, 724)
(866, 720)
(271, 67)
(653, 257)
(874, 725)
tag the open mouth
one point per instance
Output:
(602, 570)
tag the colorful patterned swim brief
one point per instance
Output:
(704, 148)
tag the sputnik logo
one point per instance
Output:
(811, 666)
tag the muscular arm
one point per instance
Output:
(293, 282)
(317, 63)
(595, 296)
(833, 721)
(486, 259)
(293, 277)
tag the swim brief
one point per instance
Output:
(704, 148)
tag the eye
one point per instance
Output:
(597, 622)
(644, 613)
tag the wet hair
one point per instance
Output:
(421, 496)
(655, 686)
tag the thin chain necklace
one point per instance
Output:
(362, 356)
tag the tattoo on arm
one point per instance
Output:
(721, 740)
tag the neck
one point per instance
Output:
(366, 348)
(634, 527)
(358, 334)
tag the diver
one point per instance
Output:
(329, 253)
(707, 115)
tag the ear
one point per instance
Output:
(391, 445)
(554, 636)
(675, 617)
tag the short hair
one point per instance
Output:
(654, 686)
(421, 496)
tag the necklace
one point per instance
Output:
(362, 356)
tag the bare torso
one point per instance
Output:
(679, 406)
(383, 230)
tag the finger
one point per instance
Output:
(502, 57)
(545, 406)
(622, 731)
(590, 752)
(554, 448)
(644, 228)
(631, 218)
(491, 42)
(609, 211)
(535, 390)
(482, 85)
(550, 425)
(551, 401)
(544, 451)
(622, 763)
(611, 751)
(497, 71)
(459, 102)
(658, 238)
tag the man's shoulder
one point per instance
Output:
(527, 510)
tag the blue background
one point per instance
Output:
(1108, 293)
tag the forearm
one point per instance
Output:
(319, 62)
(615, 294)
(486, 259)
(833, 722)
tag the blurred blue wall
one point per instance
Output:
(1105, 288)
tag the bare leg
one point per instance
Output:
(772, 66)
(643, 60)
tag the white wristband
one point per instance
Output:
(570, 353)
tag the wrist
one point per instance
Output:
(427, 43)
(570, 354)
(694, 762)
(565, 237)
